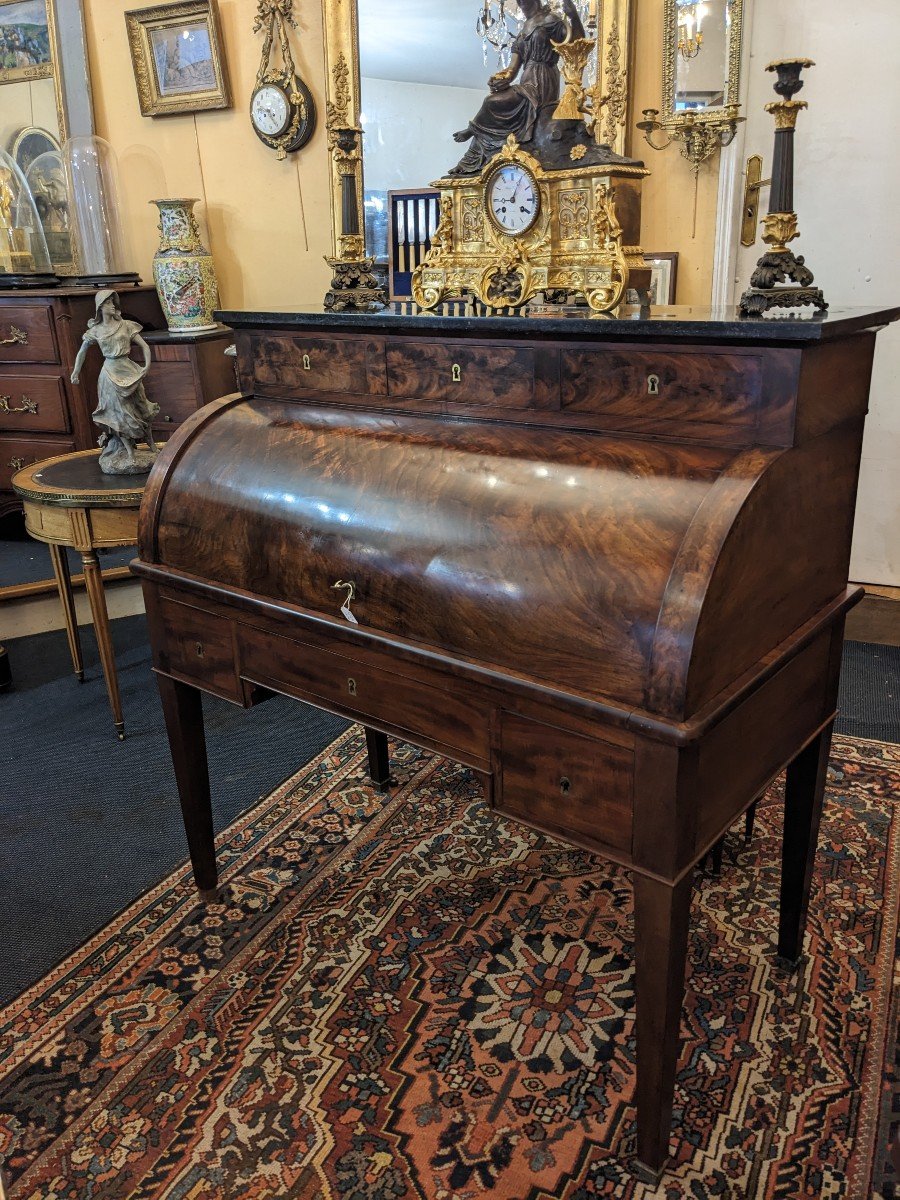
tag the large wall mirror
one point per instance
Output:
(45, 97)
(702, 56)
(402, 79)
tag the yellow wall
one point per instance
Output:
(668, 195)
(269, 222)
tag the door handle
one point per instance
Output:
(752, 185)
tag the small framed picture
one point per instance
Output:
(177, 58)
(663, 271)
(25, 42)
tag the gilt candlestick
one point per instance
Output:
(781, 278)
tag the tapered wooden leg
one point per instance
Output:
(661, 913)
(804, 791)
(93, 582)
(379, 759)
(67, 598)
(183, 712)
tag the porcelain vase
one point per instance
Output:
(183, 270)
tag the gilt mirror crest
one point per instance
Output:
(401, 79)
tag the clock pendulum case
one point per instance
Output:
(282, 110)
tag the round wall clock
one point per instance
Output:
(512, 198)
(282, 113)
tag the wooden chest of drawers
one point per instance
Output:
(42, 413)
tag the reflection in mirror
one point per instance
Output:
(701, 54)
(46, 181)
(422, 76)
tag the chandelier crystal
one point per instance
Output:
(499, 22)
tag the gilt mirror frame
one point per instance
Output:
(68, 69)
(672, 118)
(340, 21)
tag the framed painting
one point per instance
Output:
(177, 58)
(25, 41)
(663, 272)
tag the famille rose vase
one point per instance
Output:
(183, 269)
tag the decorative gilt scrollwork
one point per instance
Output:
(16, 337)
(573, 214)
(473, 222)
(616, 84)
(27, 406)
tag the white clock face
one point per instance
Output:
(513, 198)
(270, 110)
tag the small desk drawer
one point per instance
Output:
(34, 403)
(16, 453)
(27, 334)
(283, 364)
(364, 691)
(559, 780)
(663, 388)
(198, 646)
(502, 376)
(171, 385)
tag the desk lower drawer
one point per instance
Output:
(199, 647)
(33, 404)
(362, 691)
(16, 453)
(559, 780)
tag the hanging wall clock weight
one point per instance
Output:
(282, 110)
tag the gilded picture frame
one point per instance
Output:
(178, 62)
(27, 40)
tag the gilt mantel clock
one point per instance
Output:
(519, 228)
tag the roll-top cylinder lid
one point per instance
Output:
(546, 558)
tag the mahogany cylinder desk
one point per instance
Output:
(602, 562)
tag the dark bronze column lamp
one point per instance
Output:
(354, 284)
(782, 279)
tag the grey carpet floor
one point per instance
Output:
(88, 823)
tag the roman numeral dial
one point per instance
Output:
(513, 198)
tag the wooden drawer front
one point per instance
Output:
(198, 646)
(33, 403)
(559, 780)
(171, 386)
(365, 691)
(502, 376)
(691, 389)
(16, 453)
(26, 334)
(284, 364)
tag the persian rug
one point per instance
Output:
(410, 997)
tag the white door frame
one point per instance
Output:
(730, 201)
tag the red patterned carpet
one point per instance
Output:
(411, 998)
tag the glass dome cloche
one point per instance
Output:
(92, 181)
(46, 181)
(24, 258)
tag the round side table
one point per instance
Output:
(68, 501)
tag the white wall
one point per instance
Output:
(409, 130)
(847, 180)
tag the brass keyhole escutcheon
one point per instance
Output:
(307, 366)
(652, 385)
(351, 686)
(565, 785)
(456, 373)
(199, 649)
